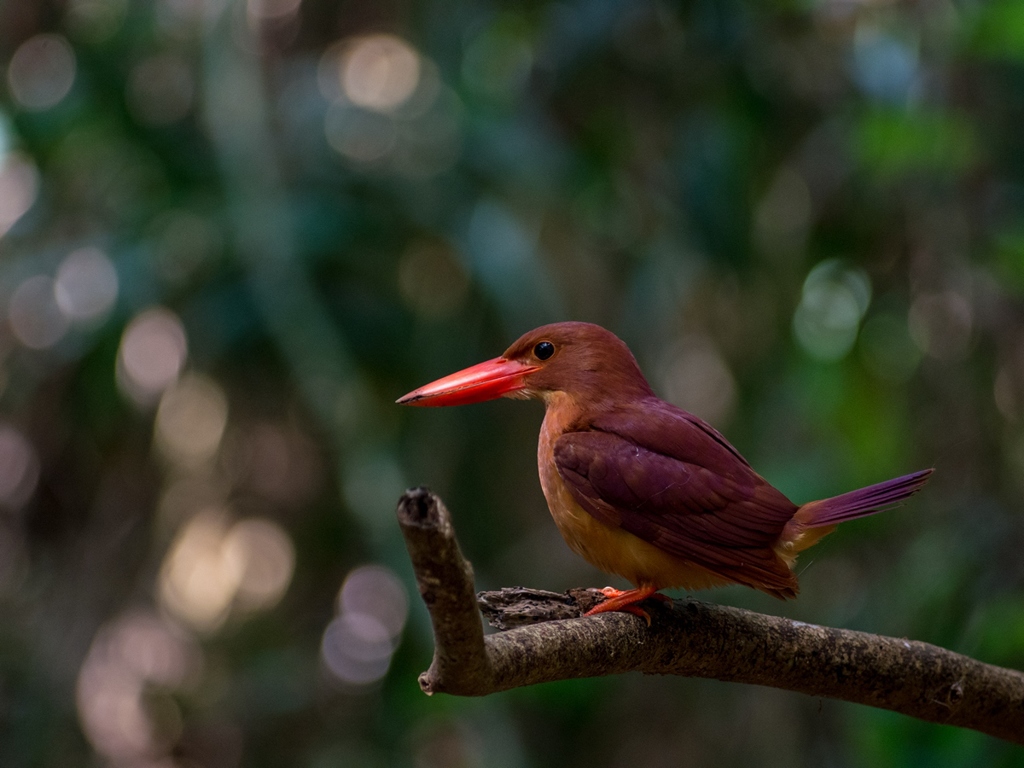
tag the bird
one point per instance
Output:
(642, 489)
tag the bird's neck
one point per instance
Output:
(561, 412)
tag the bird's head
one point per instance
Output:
(580, 359)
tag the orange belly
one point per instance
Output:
(610, 549)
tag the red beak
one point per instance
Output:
(484, 381)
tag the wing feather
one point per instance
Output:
(673, 481)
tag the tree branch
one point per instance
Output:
(546, 639)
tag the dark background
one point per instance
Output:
(231, 234)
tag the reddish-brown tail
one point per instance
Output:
(817, 519)
(863, 501)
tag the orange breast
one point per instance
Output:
(610, 549)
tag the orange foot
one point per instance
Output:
(625, 600)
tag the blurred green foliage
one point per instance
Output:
(233, 232)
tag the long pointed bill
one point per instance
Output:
(484, 381)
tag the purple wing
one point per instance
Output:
(670, 479)
(671, 431)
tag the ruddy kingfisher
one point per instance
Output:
(642, 489)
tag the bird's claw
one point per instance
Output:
(626, 600)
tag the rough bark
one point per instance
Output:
(544, 638)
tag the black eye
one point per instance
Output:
(544, 350)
